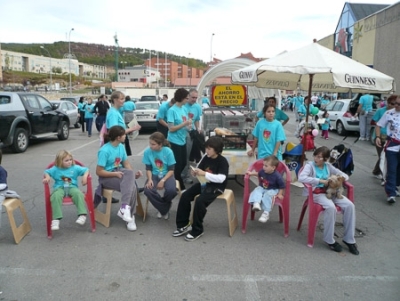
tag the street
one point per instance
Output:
(150, 264)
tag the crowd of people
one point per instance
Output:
(166, 161)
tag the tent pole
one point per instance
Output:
(307, 115)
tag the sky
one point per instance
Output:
(195, 29)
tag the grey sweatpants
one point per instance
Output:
(349, 217)
(126, 185)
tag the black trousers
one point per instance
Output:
(127, 146)
(180, 155)
(162, 129)
(204, 199)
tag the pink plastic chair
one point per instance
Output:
(68, 201)
(284, 205)
(315, 209)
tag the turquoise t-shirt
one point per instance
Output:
(279, 115)
(68, 176)
(302, 109)
(114, 117)
(89, 111)
(268, 134)
(205, 100)
(159, 160)
(162, 111)
(378, 115)
(176, 116)
(321, 173)
(298, 101)
(110, 157)
(325, 126)
(366, 102)
(194, 112)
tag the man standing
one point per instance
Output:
(364, 107)
(194, 112)
(100, 109)
(162, 125)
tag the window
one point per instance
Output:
(44, 104)
(338, 106)
(4, 100)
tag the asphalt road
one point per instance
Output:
(150, 264)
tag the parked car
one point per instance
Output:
(25, 116)
(146, 112)
(68, 108)
(148, 98)
(73, 99)
(342, 111)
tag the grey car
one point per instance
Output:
(68, 108)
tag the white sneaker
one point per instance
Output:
(166, 216)
(256, 207)
(391, 200)
(125, 214)
(131, 226)
(81, 220)
(264, 217)
(55, 224)
(361, 139)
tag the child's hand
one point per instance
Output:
(138, 174)
(84, 181)
(279, 196)
(149, 184)
(119, 174)
(45, 180)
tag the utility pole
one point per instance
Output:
(69, 60)
(116, 56)
(51, 78)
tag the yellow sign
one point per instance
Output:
(232, 95)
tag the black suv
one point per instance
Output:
(25, 116)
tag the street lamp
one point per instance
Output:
(51, 79)
(69, 60)
(211, 56)
(187, 65)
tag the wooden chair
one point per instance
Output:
(229, 198)
(284, 205)
(178, 187)
(68, 201)
(19, 232)
(105, 217)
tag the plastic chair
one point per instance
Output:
(178, 187)
(68, 201)
(284, 205)
(315, 209)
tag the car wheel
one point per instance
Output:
(63, 131)
(372, 135)
(340, 129)
(21, 141)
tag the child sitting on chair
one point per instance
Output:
(65, 174)
(271, 185)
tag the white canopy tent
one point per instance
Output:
(226, 68)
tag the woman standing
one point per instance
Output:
(178, 126)
(160, 164)
(114, 117)
(89, 110)
(268, 135)
(81, 111)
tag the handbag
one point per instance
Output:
(132, 124)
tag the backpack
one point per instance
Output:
(342, 158)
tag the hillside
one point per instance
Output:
(97, 54)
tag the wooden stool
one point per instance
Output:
(178, 187)
(19, 232)
(104, 217)
(229, 198)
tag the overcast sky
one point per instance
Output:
(181, 27)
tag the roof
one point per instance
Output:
(362, 10)
(193, 82)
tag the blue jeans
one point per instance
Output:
(89, 122)
(100, 120)
(392, 173)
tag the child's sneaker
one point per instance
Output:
(181, 231)
(131, 226)
(81, 220)
(190, 237)
(55, 224)
(165, 216)
(264, 217)
(256, 207)
(125, 213)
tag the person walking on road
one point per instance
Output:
(100, 109)
(364, 107)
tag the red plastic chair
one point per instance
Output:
(68, 201)
(315, 209)
(284, 205)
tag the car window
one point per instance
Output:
(330, 106)
(338, 106)
(4, 100)
(44, 104)
(31, 101)
(70, 106)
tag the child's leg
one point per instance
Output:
(56, 200)
(184, 205)
(256, 195)
(79, 200)
(267, 198)
(200, 210)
